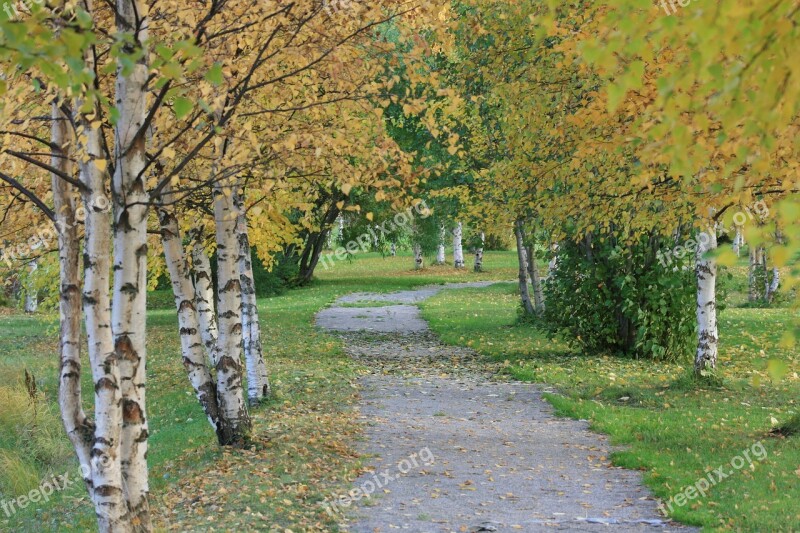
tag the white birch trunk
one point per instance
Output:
(419, 260)
(707, 334)
(536, 281)
(110, 505)
(393, 250)
(753, 292)
(129, 311)
(551, 266)
(458, 249)
(523, 270)
(204, 297)
(478, 265)
(440, 252)
(31, 294)
(773, 284)
(258, 388)
(79, 428)
(738, 241)
(233, 410)
(195, 355)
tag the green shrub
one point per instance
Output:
(606, 296)
(279, 278)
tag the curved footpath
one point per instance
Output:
(456, 449)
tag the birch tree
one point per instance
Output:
(523, 270)
(458, 247)
(707, 333)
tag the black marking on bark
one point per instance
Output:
(232, 285)
(104, 384)
(130, 289)
(123, 349)
(227, 363)
(106, 491)
(131, 413)
(123, 222)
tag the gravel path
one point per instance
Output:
(455, 449)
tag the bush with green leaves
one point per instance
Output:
(608, 296)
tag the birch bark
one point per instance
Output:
(458, 248)
(258, 388)
(523, 269)
(105, 466)
(79, 428)
(193, 348)
(478, 265)
(419, 260)
(236, 424)
(707, 335)
(129, 311)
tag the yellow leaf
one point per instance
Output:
(101, 164)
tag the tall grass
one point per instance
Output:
(32, 441)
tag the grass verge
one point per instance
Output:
(674, 429)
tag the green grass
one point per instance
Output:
(671, 427)
(304, 436)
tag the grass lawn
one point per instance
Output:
(674, 430)
(303, 450)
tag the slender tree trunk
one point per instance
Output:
(551, 266)
(707, 335)
(533, 271)
(774, 284)
(31, 294)
(440, 252)
(458, 248)
(393, 250)
(315, 242)
(204, 296)
(478, 266)
(110, 505)
(536, 280)
(738, 241)
(753, 293)
(258, 388)
(235, 419)
(79, 428)
(195, 354)
(419, 260)
(523, 270)
(129, 311)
